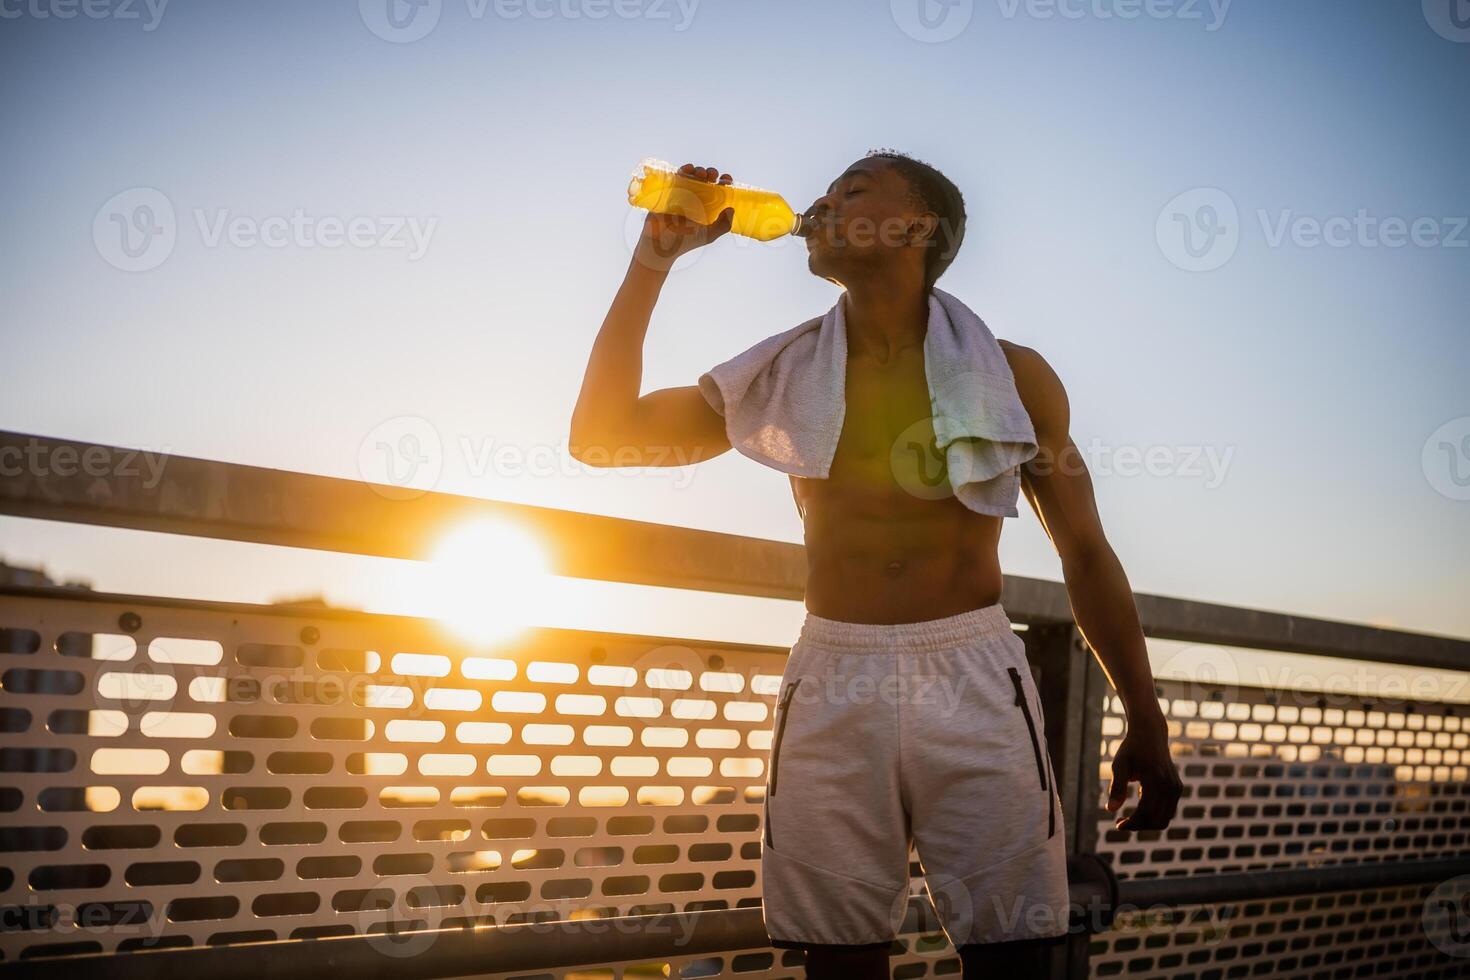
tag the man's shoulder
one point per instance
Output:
(1022, 358)
(1040, 389)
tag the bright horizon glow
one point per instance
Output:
(1298, 395)
(487, 581)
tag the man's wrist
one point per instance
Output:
(654, 267)
(1145, 716)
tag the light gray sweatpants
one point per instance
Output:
(927, 733)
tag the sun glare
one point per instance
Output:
(487, 581)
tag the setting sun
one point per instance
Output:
(487, 580)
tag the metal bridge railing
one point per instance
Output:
(227, 789)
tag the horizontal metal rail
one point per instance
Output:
(1244, 886)
(86, 483)
(564, 944)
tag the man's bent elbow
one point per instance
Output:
(588, 451)
(602, 450)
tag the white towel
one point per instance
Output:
(784, 400)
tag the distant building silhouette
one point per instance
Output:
(36, 577)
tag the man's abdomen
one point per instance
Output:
(877, 559)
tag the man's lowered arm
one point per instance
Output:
(1059, 489)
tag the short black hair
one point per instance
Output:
(934, 192)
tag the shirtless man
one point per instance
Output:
(880, 554)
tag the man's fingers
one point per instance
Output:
(1158, 802)
(1118, 788)
(709, 174)
(1167, 790)
(1148, 815)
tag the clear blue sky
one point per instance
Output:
(1313, 373)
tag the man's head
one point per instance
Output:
(886, 213)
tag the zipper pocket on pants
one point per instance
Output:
(783, 707)
(1041, 766)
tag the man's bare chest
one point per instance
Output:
(887, 437)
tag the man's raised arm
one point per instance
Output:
(612, 425)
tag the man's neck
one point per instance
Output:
(885, 317)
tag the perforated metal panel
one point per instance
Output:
(1335, 935)
(1279, 779)
(215, 777)
(185, 774)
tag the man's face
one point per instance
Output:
(867, 221)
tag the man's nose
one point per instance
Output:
(821, 207)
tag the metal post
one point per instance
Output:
(1072, 687)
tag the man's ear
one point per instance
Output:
(923, 229)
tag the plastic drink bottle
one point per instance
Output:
(759, 214)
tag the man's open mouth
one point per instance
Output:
(819, 229)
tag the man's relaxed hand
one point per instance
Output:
(665, 237)
(1144, 756)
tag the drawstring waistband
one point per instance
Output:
(926, 635)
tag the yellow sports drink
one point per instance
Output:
(761, 215)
